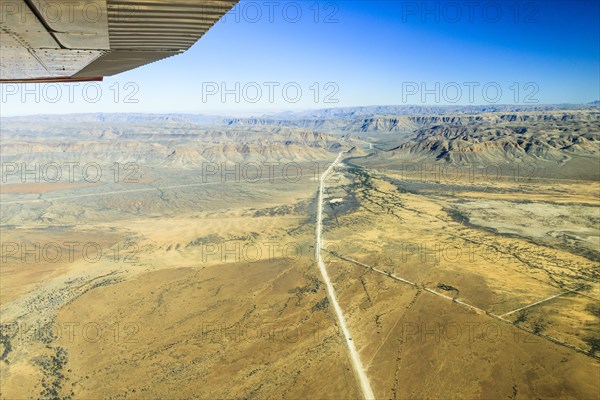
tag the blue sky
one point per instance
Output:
(286, 55)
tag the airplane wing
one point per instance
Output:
(83, 40)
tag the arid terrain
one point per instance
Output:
(174, 256)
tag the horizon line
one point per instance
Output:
(222, 114)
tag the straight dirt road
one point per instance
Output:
(359, 371)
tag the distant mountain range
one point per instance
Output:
(319, 114)
(389, 110)
(556, 134)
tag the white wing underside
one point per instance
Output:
(64, 40)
